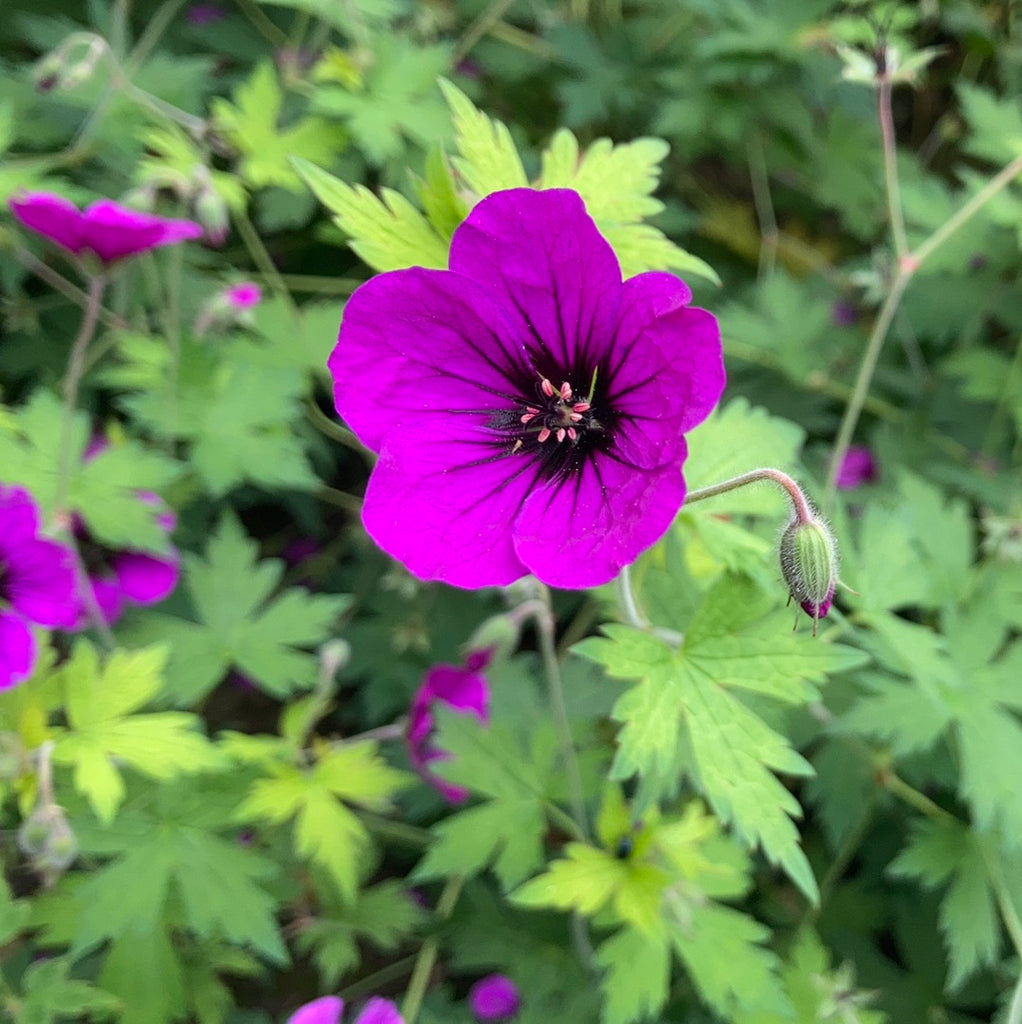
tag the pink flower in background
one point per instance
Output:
(37, 584)
(245, 295)
(859, 466)
(328, 1010)
(110, 231)
(528, 406)
(201, 15)
(120, 578)
(463, 688)
(494, 998)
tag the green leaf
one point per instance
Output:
(103, 491)
(144, 970)
(49, 995)
(104, 733)
(506, 832)
(383, 914)
(239, 623)
(720, 949)
(326, 831)
(637, 974)
(489, 160)
(251, 125)
(387, 233)
(949, 853)
(397, 99)
(685, 714)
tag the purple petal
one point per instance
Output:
(421, 342)
(541, 257)
(244, 295)
(145, 579)
(113, 232)
(857, 467)
(379, 1011)
(51, 216)
(582, 531)
(20, 518)
(39, 582)
(17, 650)
(494, 998)
(442, 499)
(326, 1010)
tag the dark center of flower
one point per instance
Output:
(561, 425)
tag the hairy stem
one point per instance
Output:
(803, 510)
(894, 212)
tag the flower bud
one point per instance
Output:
(809, 565)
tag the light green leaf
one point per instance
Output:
(637, 974)
(489, 160)
(104, 734)
(387, 233)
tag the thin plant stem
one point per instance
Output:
(909, 794)
(479, 28)
(341, 499)
(544, 620)
(853, 409)
(803, 510)
(894, 211)
(1015, 1009)
(61, 284)
(262, 24)
(262, 259)
(426, 959)
(72, 381)
(374, 982)
(760, 179)
(335, 431)
(629, 605)
(908, 265)
(83, 585)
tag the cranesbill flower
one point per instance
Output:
(37, 584)
(859, 466)
(494, 998)
(244, 295)
(328, 1010)
(464, 689)
(110, 231)
(528, 406)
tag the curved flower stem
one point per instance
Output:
(908, 265)
(900, 788)
(544, 619)
(629, 605)
(426, 960)
(72, 381)
(262, 259)
(894, 212)
(803, 510)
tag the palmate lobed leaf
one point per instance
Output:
(104, 733)
(684, 714)
(240, 624)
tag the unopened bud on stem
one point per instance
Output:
(809, 565)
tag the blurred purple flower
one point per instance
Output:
(844, 314)
(37, 584)
(464, 689)
(528, 407)
(126, 577)
(245, 295)
(109, 230)
(201, 15)
(859, 466)
(328, 1010)
(494, 998)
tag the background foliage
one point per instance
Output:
(213, 820)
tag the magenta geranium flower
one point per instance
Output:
(528, 406)
(110, 231)
(37, 584)
(494, 998)
(859, 466)
(463, 688)
(245, 295)
(328, 1010)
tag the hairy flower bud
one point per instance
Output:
(809, 565)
